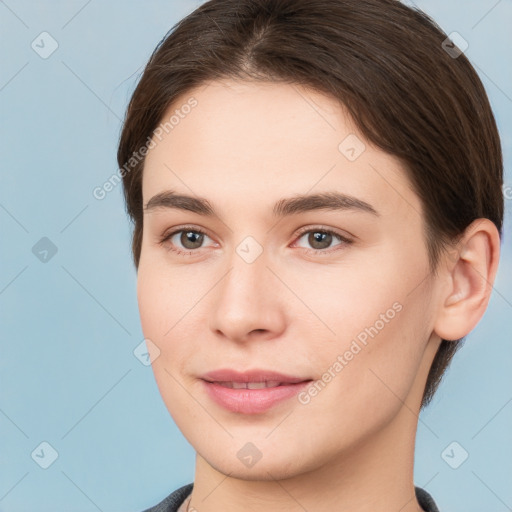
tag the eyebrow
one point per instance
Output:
(288, 206)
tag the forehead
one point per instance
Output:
(247, 142)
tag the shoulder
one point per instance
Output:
(173, 501)
(426, 501)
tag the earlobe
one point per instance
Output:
(470, 277)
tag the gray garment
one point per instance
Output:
(175, 499)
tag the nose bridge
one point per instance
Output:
(244, 301)
(247, 276)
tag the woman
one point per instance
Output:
(316, 196)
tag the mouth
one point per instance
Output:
(251, 392)
(251, 385)
(263, 378)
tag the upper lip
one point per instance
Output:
(256, 375)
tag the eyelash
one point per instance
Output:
(319, 229)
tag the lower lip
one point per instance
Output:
(252, 401)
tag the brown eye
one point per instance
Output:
(191, 239)
(319, 239)
(184, 241)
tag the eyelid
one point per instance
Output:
(177, 229)
(347, 236)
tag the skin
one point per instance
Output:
(244, 147)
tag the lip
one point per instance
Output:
(251, 401)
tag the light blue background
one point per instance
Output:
(69, 326)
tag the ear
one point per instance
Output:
(470, 273)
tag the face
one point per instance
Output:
(333, 292)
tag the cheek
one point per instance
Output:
(163, 315)
(163, 296)
(158, 310)
(170, 306)
(369, 329)
(150, 298)
(363, 384)
(340, 301)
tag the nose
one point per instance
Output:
(249, 302)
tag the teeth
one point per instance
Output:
(261, 385)
(250, 385)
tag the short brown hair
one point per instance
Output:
(384, 61)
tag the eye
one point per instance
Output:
(190, 239)
(321, 239)
(187, 240)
